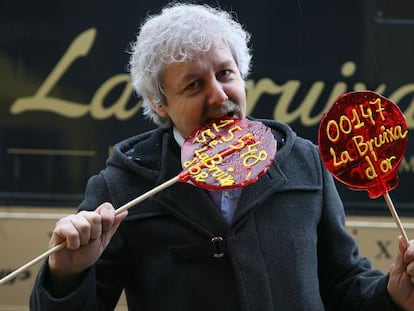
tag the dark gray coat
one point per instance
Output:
(287, 248)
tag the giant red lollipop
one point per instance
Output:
(225, 153)
(362, 140)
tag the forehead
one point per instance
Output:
(218, 57)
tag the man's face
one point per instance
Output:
(197, 90)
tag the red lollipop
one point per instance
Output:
(225, 153)
(362, 140)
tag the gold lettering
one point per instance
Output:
(379, 109)
(361, 145)
(388, 135)
(334, 130)
(41, 101)
(117, 109)
(228, 180)
(370, 171)
(345, 157)
(201, 177)
(242, 141)
(231, 134)
(79, 47)
(386, 164)
(252, 156)
(223, 123)
(202, 137)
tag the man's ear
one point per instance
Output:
(158, 108)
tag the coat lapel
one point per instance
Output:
(254, 194)
(187, 202)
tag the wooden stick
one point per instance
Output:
(61, 246)
(396, 218)
(16, 272)
(148, 194)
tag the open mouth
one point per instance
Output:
(233, 114)
(230, 114)
(228, 109)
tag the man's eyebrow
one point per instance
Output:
(227, 63)
(190, 76)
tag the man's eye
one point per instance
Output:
(193, 85)
(223, 74)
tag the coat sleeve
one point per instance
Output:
(347, 280)
(102, 284)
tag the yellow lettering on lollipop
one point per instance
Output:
(370, 171)
(379, 109)
(242, 141)
(231, 134)
(227, 180)
(223, 123)
(202, 138)
(367, 114)
(345, 157)
(386, 164)
(388, 135)
(252, 156)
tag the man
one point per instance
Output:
(277, 244)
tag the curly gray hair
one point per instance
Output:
(178, 33)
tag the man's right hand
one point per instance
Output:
(86, 234)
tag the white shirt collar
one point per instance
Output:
(178, 137)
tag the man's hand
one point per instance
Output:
(86, 234)
(401, 281)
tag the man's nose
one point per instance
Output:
(217, 94)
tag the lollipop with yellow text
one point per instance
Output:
(362, 140)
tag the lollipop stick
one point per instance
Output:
(395, 217)
(34, 261)
(148, 194)
(60, 246)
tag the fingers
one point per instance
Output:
(79, 229)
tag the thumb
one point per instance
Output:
(110, 221)
(110, 231)
(399, 265)
(118, 219)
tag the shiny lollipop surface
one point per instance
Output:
(227, 153)
(362, 140)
